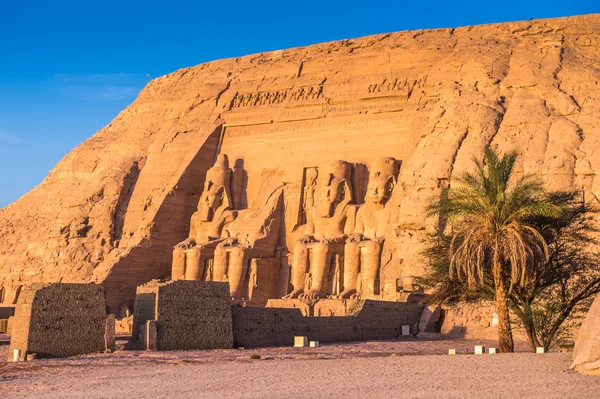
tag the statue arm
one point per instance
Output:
(309, 228)
(357, 234)
(192, 227)
(350, 223)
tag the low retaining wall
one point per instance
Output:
(372, 320)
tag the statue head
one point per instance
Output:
(334, 187)
(216, 196)
(382, 180)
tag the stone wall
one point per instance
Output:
(474, 321)
(59, 320)
(188, 314)
(372, 320)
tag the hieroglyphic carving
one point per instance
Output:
(397, 84)
(392, 102)
(259, 98)
(291, 127)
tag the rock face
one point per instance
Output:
(586, 356)
(113, 209)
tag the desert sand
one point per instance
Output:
(412, 369)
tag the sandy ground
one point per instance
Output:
(410, 369)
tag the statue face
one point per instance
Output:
(330, 194)
(332, 187)
(379, 191)
(210, 200)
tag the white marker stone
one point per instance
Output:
(300, 341)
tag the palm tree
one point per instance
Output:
(492, 247)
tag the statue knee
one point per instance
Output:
(351, 248)
(372, 246)
(177, 252)
(193, 252)
(320, 247)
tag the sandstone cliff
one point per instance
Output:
(113, 208)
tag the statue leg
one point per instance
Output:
(194, 265)
(220, 265)
(178, 265)
(351, 268)
(320, 270)
(299, 270)
(238, 268)
(372, 260)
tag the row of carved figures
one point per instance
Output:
(336, 232)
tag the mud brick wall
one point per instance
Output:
(188, 314)
(59, 320)
(372, 320)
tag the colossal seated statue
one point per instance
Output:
(193, 257)
(362, 251)
(329, 217)
(254, 236)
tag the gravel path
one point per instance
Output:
(359, 370)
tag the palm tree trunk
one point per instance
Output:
(505, 338)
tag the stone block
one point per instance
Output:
(59, 320)
(479, 350)
(493, 351)
(314, 344)
(540, 349)
(452, 351)
(189, 314)
(150, 335)
(300, 342)
(405, 331)
(109, 334)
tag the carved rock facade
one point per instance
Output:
(115, 207)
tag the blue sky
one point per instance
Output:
(68, 67)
